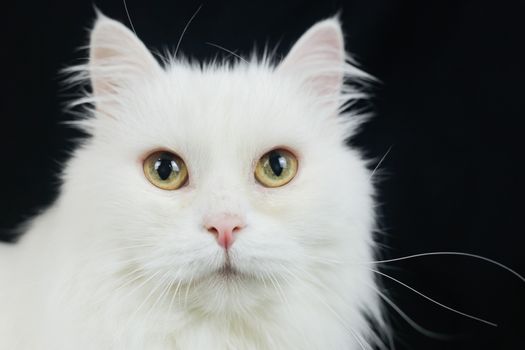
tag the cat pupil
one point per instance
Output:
(277, 163)
(164, 167)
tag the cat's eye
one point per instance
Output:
(276, 168)
(165, 170)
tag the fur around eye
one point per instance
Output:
(276, 168)
(165, 170)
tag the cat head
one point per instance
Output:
(224, 174)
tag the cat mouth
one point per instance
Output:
(227, 270)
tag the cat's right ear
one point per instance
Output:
(116, 57)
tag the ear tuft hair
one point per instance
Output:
(319, 63)
(116, 56)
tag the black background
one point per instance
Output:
(450, 107)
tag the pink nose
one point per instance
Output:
(224, 226)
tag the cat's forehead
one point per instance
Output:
(249, 105)
(222, 110)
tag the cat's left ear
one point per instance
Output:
(318, 59)
(116, 57)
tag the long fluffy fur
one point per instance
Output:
(116, 263)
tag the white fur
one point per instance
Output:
(117, 263)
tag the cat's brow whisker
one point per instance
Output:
(129, 17)
(407, 318)
(494, 262)
(228, 51)
(185, 29)
(434, 301)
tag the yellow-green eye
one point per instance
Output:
(276, 168)
(165, 170)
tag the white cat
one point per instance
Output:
(215, 206)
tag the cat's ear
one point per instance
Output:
(116, 57)
(318, 59)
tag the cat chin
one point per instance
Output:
(228, 289)
(229, 292)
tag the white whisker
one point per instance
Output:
(279, 292)
(434, 301)
(188, 286)
(228, 51)
(405, 317)
(185, 29)
(359, 339)
(177, 290)
(129, 17)
(380, 162)
(494, 262)
(150, 294)
(142, 284)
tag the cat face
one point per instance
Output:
(220, 120)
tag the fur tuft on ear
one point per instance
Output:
(319, 62)
(116, 57)
(318, 57)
